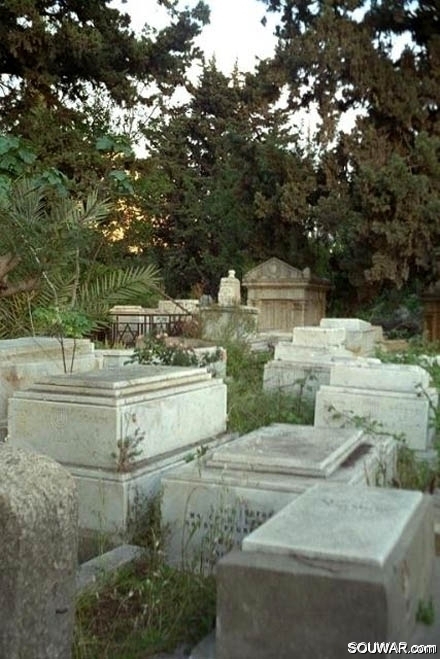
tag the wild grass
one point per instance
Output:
(147, 608)
(249, 407)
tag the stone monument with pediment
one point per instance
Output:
(285, 296)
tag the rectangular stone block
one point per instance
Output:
(367, 374)
(94, 571)
(303, 373)
(360, 335)
(338, 564)
(111, 502)
(284, 448)
(318, 337)
(406, 415)
(118, 431)
(351, 324)
(114, 358)
(289, 351)
(79, 419)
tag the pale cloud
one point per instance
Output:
(235, 34)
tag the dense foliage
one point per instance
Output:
(226, 177)
(379, 184)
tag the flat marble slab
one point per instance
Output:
(339, 523)
(289, 449)
(114, 383)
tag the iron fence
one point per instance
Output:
(125, 328)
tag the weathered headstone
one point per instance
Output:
(361, 335)
(38, 549)
(302, 365)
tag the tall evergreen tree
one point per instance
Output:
(378, 196)
(228, 175)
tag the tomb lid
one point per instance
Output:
(284, 448)
(338, 523)
(114, 383)
(319, 336)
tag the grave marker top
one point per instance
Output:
(106, 387)
(338, 524)
(368, 374)
(284, 448)
(319, 337)
(354, 324)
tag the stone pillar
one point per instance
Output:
(38, 549)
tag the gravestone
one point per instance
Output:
(339, 564)
(229, 319)
(117, 430)
(302, 365)
(396, 397)
(38, 548)
(211, 504)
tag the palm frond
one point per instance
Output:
(79, 214)
(15, 319)
(116, 286)
(26, 203)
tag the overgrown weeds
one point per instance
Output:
(413, 474)
(147, 608)
(249, 407)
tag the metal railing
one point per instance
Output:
(125, 328)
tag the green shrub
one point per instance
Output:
(249, 407)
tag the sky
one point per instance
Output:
(234, 34)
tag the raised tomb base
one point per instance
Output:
(118, 430)
(211, 504)
(338, 565)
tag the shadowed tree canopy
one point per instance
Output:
(64, 63)
(233, 188)
(379, 184)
